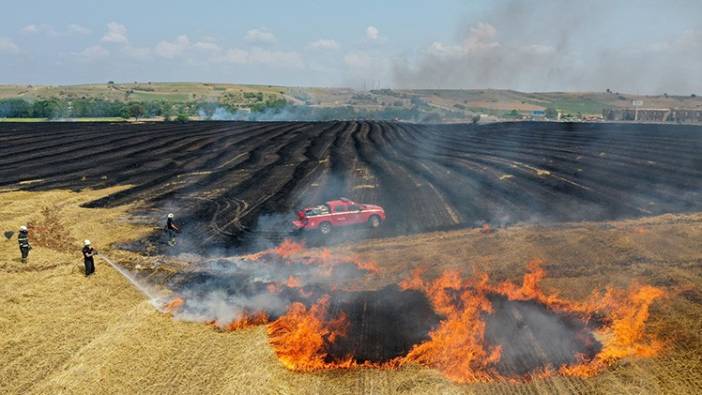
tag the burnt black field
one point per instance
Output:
(230, 182)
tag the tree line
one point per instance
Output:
(266, 109)
(55, 108)
(93, 108)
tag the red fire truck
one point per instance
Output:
(338, 213)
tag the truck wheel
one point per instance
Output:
(374, 221)
(325, 228)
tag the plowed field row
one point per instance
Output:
(231, 181)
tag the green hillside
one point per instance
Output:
(193, 100)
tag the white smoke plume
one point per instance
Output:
(562, 46)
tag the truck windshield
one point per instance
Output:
(319, 210)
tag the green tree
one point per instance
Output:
(135, 110)
(274, 105)
(15, 108)
(50, 109)
(182, 116)
(153, 109)
(551, 113)
(166, 111)
(207, 109)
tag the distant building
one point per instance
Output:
(680, 115)
(592, 118)
(538, 114)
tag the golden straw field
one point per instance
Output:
(63, 333)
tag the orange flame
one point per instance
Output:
(299, 336)
(457, 347)
(367, 265)
(173, 305)
(288, 248)
(294, 282)
(247, 320)
(625, 335)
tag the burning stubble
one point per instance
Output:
(469, 329)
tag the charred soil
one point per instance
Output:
(234, 183)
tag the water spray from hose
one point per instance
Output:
(154, 299)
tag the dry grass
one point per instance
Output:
(50, 230)
(63, 333)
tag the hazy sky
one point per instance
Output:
(629, 45)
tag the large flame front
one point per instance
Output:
(458, 346)
(608, 325)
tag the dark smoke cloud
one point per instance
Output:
(563, 46)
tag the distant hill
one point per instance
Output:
(444, 105)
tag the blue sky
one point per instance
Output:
(645, 46)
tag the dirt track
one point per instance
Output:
(224, 177)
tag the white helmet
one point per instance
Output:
(86, 242)
(170, 215)
(23, 228)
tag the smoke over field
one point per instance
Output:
(576, 46)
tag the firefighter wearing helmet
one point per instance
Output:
(24, 245)
(171, 230)
(88, 253)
